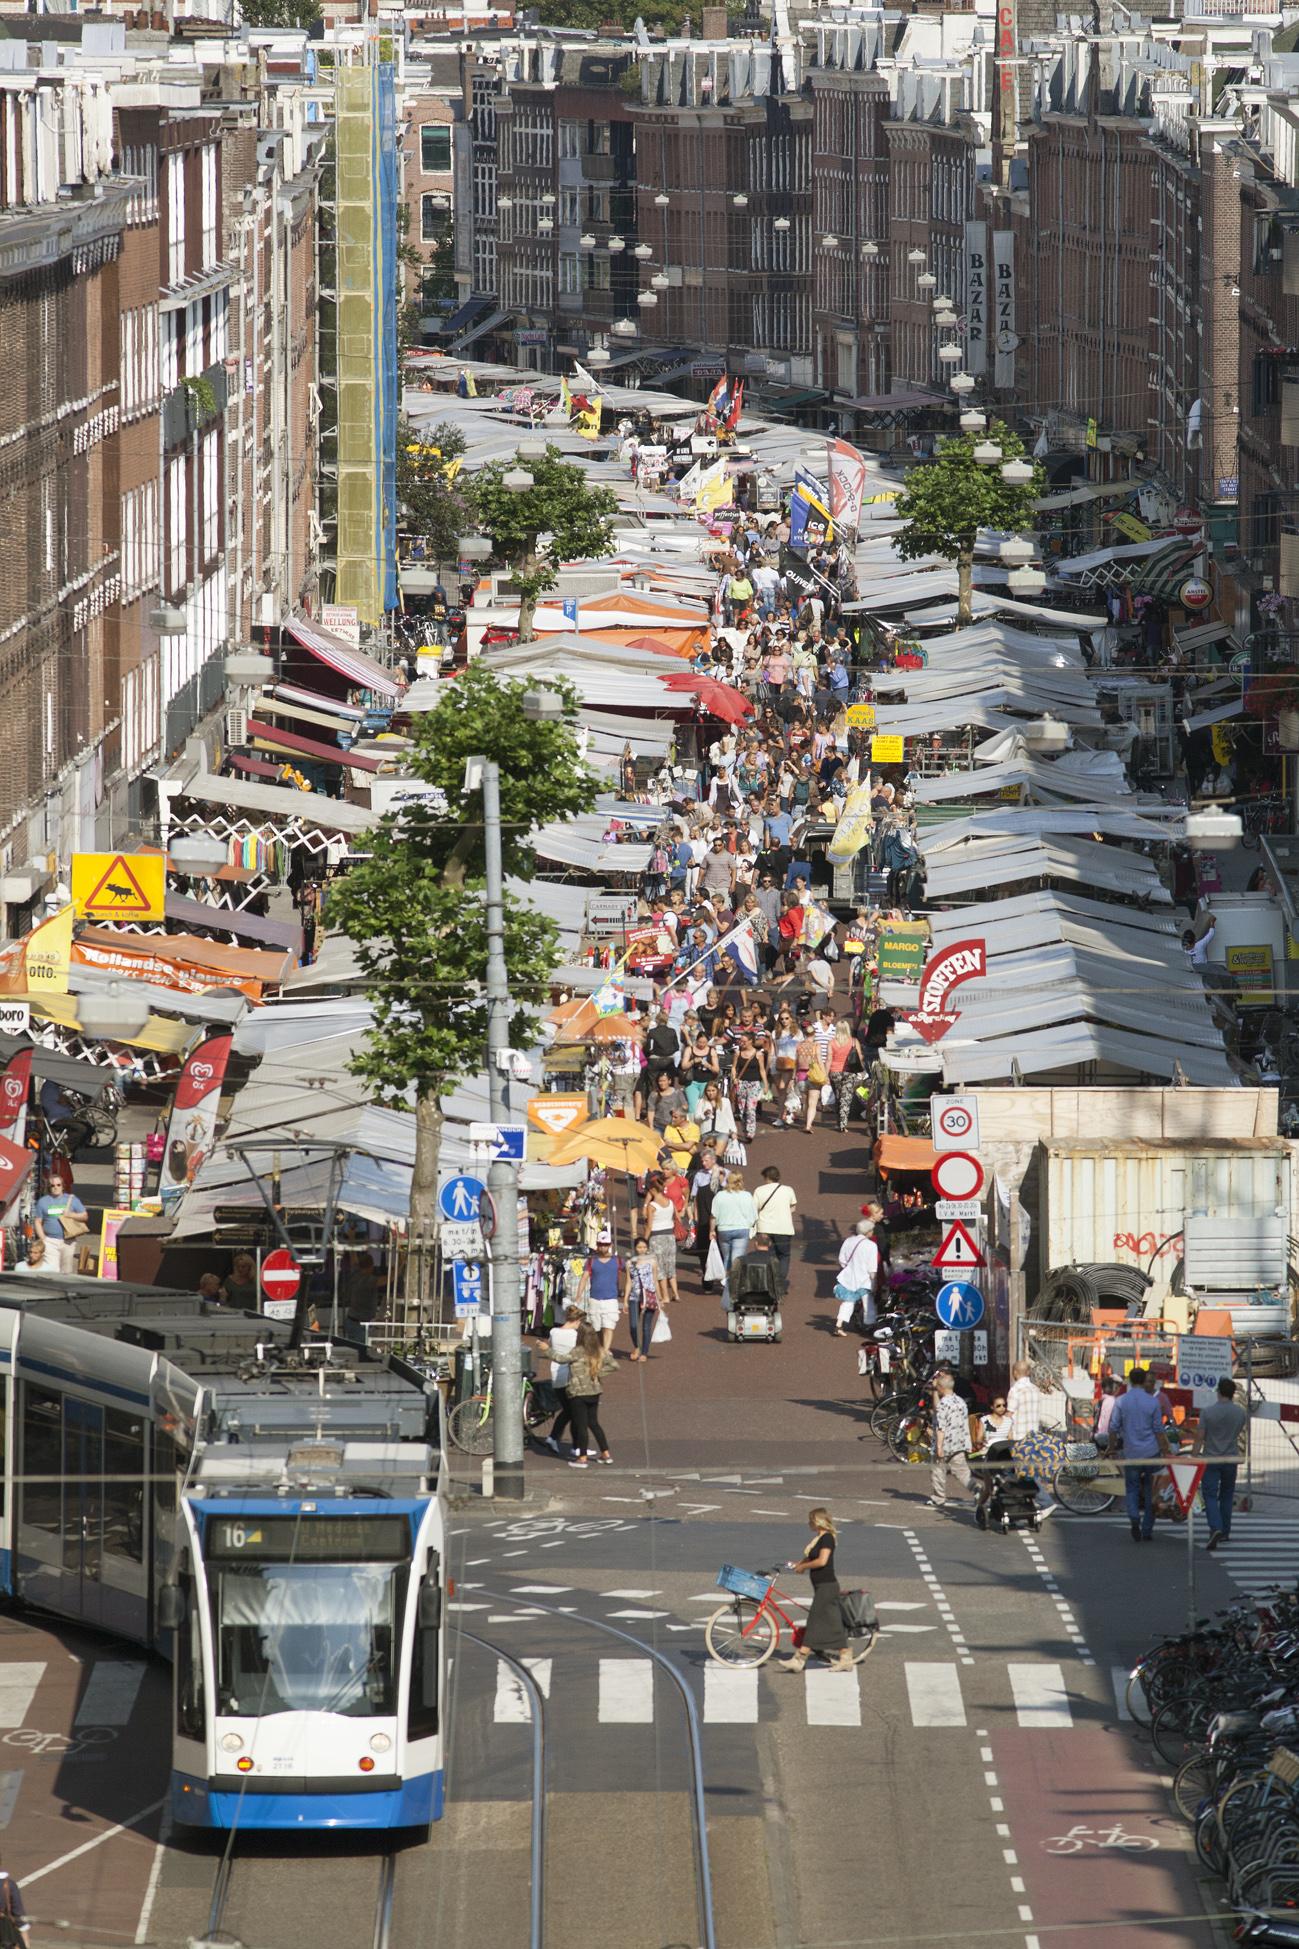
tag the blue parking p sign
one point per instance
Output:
(468, 1288)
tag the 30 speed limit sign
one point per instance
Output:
(954, 1121)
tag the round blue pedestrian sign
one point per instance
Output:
(958, 1304)
(460, 1198)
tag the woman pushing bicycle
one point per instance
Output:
(824, 1632)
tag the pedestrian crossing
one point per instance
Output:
(935, 1694)
(108, 1697)
(1263, 1551)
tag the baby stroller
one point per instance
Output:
(1011, 1499)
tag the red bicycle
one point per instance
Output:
(748, 1629)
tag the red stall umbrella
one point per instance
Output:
(718, 699)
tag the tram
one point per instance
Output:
(271, 1519)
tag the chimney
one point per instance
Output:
(714, 23)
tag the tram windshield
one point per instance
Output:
(306, 1637)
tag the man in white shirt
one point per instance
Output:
(859, 1271)
(776, 1205)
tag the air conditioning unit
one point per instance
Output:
(236, 725)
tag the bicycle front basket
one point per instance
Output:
(742, 1583)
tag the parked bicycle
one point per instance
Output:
(471, 1423)
(748, 1629)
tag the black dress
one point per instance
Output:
(824, 1630)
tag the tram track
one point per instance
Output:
(543, 1750)
(264, 1899)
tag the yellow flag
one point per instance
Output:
(47, 952)
(565, 397)
(452, 468)
(588, 423)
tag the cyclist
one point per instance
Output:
(823, 1633)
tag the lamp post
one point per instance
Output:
(507, 1313)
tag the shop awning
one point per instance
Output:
(1218, 715)
(894, 1153)
(254, 767)
(313, 700)
(480, 330)
(272, 737)
(283, 934)
(1083, 491)
(464, 315)
(277, 802)
(354, 666)
(319, 720)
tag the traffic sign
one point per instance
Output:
(554, 1114)
(281, 1279)
(981, 1349)
(959, 1251)
(113, 886)
(504, 1143)
(461, 1241)
(467, 1283)
(1185, 1477)
(968, 1210)
(460, 1197)
(959, 1304)
(1203, 1361)
(947, 1345)
(957, 1175)
(954, 1121)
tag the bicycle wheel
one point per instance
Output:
(910, 1441)
(1192, 1785)
(1075, 1488)
(1208, 1842)
(741, 1633)
(1136, 1697)
(867, 1645)
(101, 1128)
(534, 1412)
(886, 1411)
(469, 1425)
(1178, 1729)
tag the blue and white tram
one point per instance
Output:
(272, 1520)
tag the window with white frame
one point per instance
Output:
(211, 504)
(209, 154)
(175, 217)
(177, 523)
(570, 139)
(171, 336)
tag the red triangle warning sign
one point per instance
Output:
(115, 886)
(958, 1248)
(1186, 1480)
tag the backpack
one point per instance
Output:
(857, 1610)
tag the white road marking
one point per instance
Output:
(109, 1698)
(633, 1593)
(1119, 1675)
(18, 1685)
(1040, 1696)
(902, 1607)
(109, 1834)
(912, 1630)
(641, 1614)
(542, 1590)
(935, 1695)
(699, 1508)
(513, 1706)
(730, 1696)
(155, 1873)
(626, 1691)
(833, 1698)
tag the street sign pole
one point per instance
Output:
(502, 1178)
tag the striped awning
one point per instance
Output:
(354, 666)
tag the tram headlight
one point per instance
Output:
(231, 1743)
(244, 1765)
(366, 1765)
(380, 1743)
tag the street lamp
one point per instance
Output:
(643, 251)
(531, 449)
(1026, 581)
(647, 298)
(973, 421)
(598, 355)
(781, 223)
(624, 327)
(987, 453)
(544, 226)
(660, 281)
(197, 853)
(950, 354)
(961, 382)
(1213, 832)
(926, 281)
(830, 241)
(661, 201)
(915, 257)
(248, 667)
(870, 248)
(1017, 550)
(614, 245)
(586, 241)
(113, 1013)
(517, 481)
(474, 548)
(740, 201)
(1018, 472)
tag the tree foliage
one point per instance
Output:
(280, 13)
(436, 508)
(415, 908)
(560, 518)
(948, 499)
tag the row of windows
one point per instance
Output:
(435, 147)
(139, 360)
(141, 539)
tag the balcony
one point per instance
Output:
(193, 405)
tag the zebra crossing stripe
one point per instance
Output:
(1040, 1696)
(730, 1696)
(626, 1692)
(18, 1685)
(513, 1706)
(110, 1695)
(833, 1698)
(934, 1692)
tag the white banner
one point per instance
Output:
(1003, 310)
(976, 298)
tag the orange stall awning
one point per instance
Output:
(894, 1153)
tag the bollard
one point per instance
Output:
(489, 1478)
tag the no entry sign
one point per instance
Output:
(281, 1278)
(957, 1175)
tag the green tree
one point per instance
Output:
(947, 501)
(415, 909)
(439, 509)
(280, 13)
(560, 518)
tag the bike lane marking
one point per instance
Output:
(1075, 1803)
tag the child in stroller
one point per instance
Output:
(1007, 1499)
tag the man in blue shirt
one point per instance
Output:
(778, 824)
(1137, 1430)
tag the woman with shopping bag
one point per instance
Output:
(644, 1300)
(706, 1180)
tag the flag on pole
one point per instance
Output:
(609, 998)
(580, 372)
(847, 472)
(742, 951)
(737, 402)
(688, 485)
(714, 490)
(719, 399)
(588, 422)
(565, 397)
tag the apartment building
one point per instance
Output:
(430, 105)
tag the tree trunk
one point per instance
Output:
(965, 587)
(527, 610)
(423, 1201)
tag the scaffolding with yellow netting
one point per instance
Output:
(365, 144)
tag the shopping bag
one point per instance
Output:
(735, 1156)
(662, 1331)
(714, 1266)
